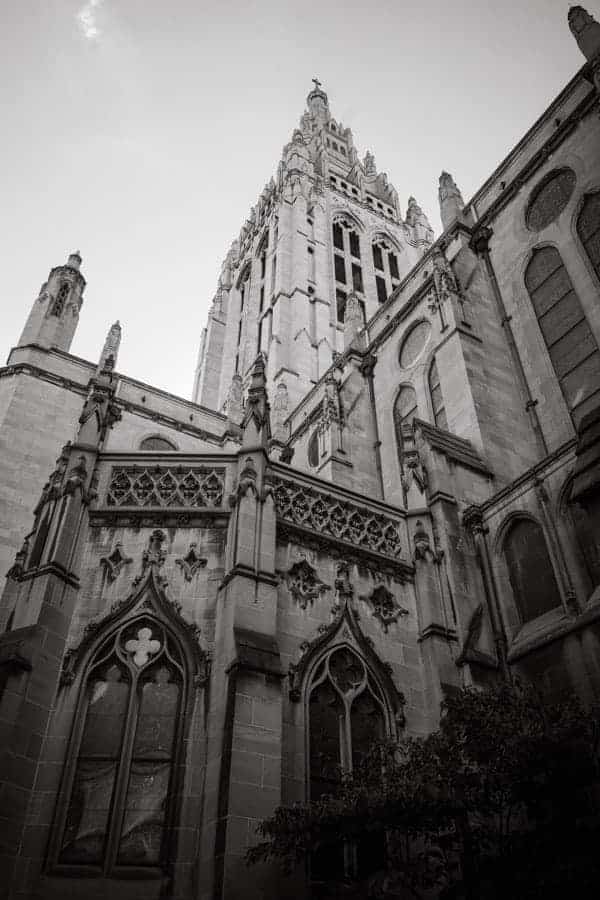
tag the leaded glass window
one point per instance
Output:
(572, 347)
(157, 443)
(119, 776)
(550, 198)
(588, 229)
(530, 570)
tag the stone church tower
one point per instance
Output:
(278, 292)
(387, 486)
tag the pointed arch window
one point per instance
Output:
(119, 779)
(572, 347)
(530, 570)
(437, 399)
(61, 298)
(346, 716)
(588, 229)
(387, 272)
(347, 267)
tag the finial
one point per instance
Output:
(451, 201)
(316, 83)
(74, 260)
(585, 30)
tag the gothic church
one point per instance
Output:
(387, 486)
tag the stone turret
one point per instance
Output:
(54, 315)
(418, 221)
(451, 201)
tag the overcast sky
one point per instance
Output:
(140, 132)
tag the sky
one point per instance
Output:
(140, 132)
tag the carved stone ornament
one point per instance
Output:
(384, 606)
(165, 486)
(345, 631)
(147, 598)
(327, 515)
(114, 562)
(191, 563)
(304, 584)
(153, 557)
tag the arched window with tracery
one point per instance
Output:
(530, 570)
(385, 260)
(61, 298)
(347, 267)
(572, 347)
(346, 716)
(119, 778)
(588, 229)
(437, 398)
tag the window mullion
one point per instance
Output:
(122, 779)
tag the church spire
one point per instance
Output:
(54, 315)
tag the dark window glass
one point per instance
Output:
(550, 198)
(572, 347)
(340, 300)
(377, 257)
(381, 289)
(157, 443)
(340, 268)
(61, 297)
(130, 711)
(313, 450)
(437, 399)
(263, 264)
(405, 408)
(354, 244)
(357, 282)
(588, 229)
(530, 570)
(338, 236)
(262, 297)
(394, 265)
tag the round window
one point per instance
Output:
(549, 198)
(414, 344)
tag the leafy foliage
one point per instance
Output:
(501, 801)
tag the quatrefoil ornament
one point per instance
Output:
(142, 648)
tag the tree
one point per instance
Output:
(500, 802)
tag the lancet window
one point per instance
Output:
(571, 345)
(437, 398)
(530, 570)
(347, 266)
(346, 716)
(387, 273)
(61, 298)
(119, 779)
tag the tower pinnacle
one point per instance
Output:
(317, 100)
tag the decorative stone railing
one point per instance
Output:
(324, 514)
(165, 487)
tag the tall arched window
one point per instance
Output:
(588, 229)
(347, 268)
(387, 274)
(437, 398)
(405, 410)
(530, 570)
(572, 347)
(119, 777)
(346, 716)
(61, 298)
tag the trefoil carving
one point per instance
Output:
(384, 606)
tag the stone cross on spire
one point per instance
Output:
(317, 83)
